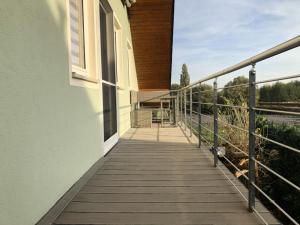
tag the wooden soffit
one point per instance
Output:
(151, 24)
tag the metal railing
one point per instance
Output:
(186, 117)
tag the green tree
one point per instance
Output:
(284, 162)
(280, 92)
(265, 93)
(234, 94)
(184, 76)
(206, 97)
(294, 91)
(175, 86)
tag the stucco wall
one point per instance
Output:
(51, 133)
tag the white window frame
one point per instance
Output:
(109, 143)
(81, 76)
(118, 35)
(75, 68)
(129, 63)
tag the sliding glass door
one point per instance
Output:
(108, 76)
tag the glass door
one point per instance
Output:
(108, 76)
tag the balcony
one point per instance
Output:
(160, 176)
(171, 173)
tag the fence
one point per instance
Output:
(192, 120)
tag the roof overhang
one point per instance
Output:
(151, 24)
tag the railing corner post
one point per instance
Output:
(215, 149)
(251, 145)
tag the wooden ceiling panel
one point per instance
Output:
(152, 37)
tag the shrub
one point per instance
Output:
(284, 161)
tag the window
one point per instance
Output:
(118, 52)
(129, 53)
(82, 39)
(77, 33)
(107, 43)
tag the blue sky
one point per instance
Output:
(210, 35)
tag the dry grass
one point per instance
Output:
(238, 117)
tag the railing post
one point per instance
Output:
(191, 109)
(184, 109)
(199, 116)
(215, 149)
(181, 100)
(161, 113)
(251, 163)
(178, 105)
(177, 109)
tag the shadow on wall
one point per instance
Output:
(51, 132)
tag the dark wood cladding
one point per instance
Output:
(152, 35)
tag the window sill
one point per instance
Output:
(75, 75)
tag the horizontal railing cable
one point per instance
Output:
(277, 143)
(225, 140)
(235, 167)
(244, 197)
(206, 103)
(277, 174)
(232, 145)
(207, 116)
(234, 126)
(277, 111)
(207, 141)
(260, 216)
(223, 122)
(228, 142)
(275, 204)
(277, 79)
(233, 106)
(233, 86)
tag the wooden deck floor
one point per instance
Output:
(158, 176)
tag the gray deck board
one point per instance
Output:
(158, 176)
(159, 197)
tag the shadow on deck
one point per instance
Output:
(159, 176)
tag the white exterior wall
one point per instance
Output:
(51, 129)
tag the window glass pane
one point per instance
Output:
(116, 55)
(107, 44)
(103, 33)
(77, 33)
(128, 67)
(109, 110)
